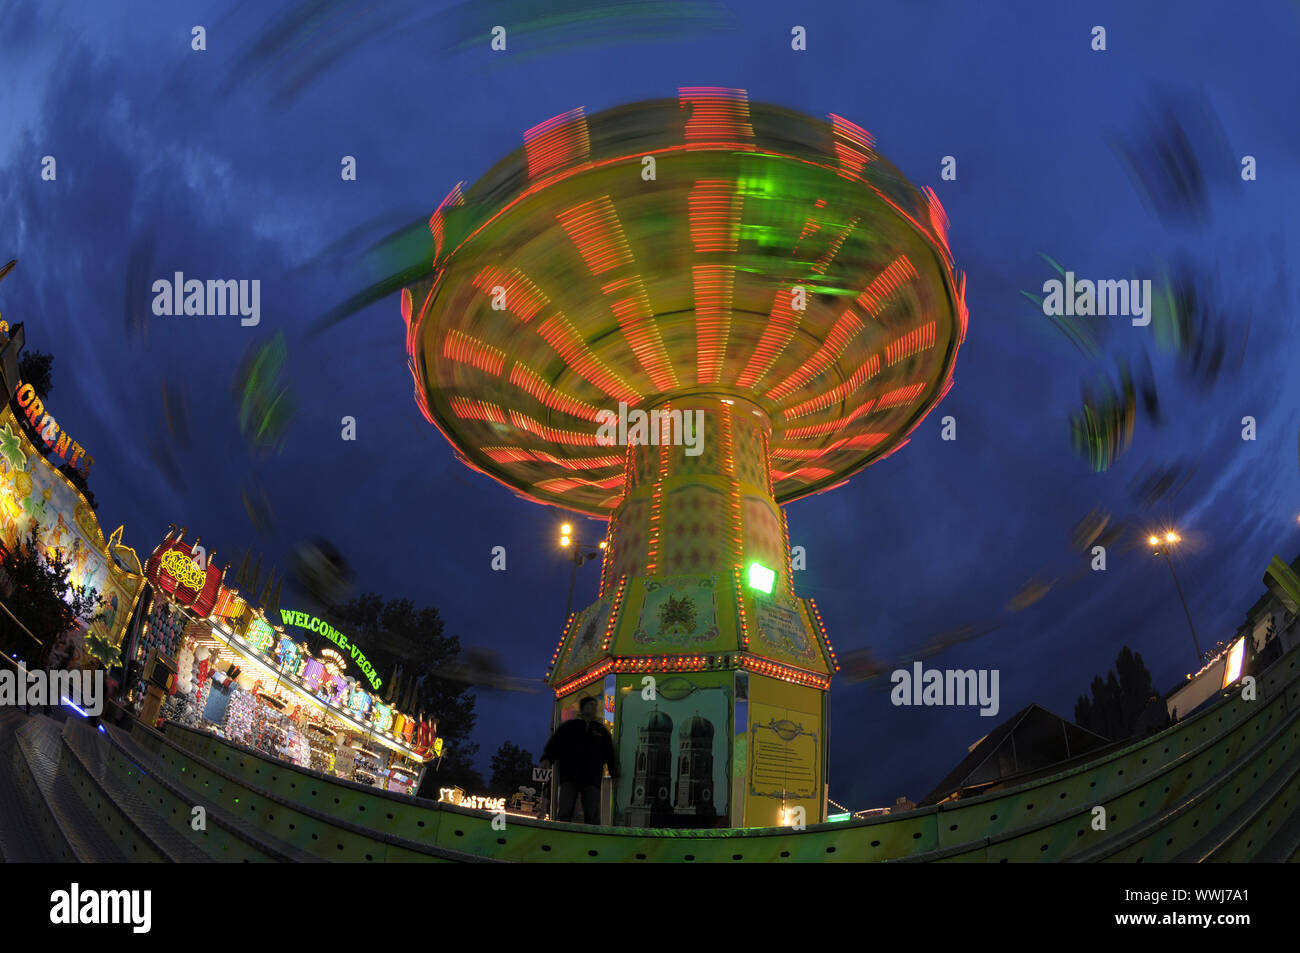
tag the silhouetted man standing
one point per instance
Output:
(580, 748)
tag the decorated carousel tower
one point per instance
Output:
(675, 317)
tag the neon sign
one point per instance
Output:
(473, 801)
(1232, 667)
(180, 568)
(335, 663)
(47, 428)
(320, 626)
(260, 635)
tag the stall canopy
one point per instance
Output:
(1029, 742)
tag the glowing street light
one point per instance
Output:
(567, 541)
(1171, 538)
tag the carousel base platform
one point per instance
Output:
(1222, 785)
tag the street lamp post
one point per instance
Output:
(578, 556)
(1170, 539)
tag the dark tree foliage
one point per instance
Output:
(78, 479)
(512, 768)
(396, 632)
(35, 367)
(1118, 702)
(40, 595)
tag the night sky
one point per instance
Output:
(226, 163)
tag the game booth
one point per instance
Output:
(216, 663)
(38, 496)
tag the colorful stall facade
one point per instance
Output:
(36, 497)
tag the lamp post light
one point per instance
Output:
(578, 555)
(1161, 546)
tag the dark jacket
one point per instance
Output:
(580, 749)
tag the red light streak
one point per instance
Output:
(864, 373)
(885, 284)
(522, 297)
(840, 336)
(565, 340)
(637, 321)
(714, 214)
(437, 227)
(853, 146)
(595, 230)
(467, 409)
(715, 112)
(914, 341)
(558, 141)
(900, 396)
(713, 289)
(776, 336)
(576, 438)
(531, 383)
(460, 347)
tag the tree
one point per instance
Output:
(34, 367)
(397, 632)
(78, 479)
(512, 768)
(41, 596)
(1118, 702)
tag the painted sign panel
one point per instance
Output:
(784, 752)
(674, 752)
(678, 612)
(782, 634)
(584, 643)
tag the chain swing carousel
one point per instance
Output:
(766, 307)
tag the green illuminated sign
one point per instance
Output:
(312, 624)
(761, 578)
(260, 636)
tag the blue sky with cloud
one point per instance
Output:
(228, 163)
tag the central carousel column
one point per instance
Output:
(697, 513)
(702, 505)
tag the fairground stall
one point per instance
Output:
(43, 498)
(246, 679)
